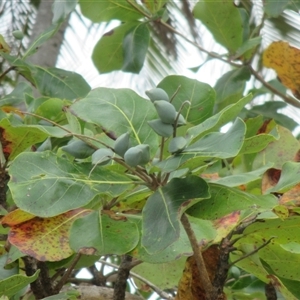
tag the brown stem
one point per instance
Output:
(287, 99)
(66, 275)
(211, 54)
(122, 276)
(7, 71)
(204, 278)
(42, 287)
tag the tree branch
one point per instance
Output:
(203, 274)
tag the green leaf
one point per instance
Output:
(274, 8)
(223, 20)
(283, 263)
(250, 44)
(220, 145)
(135, 46)
(61, 9)
(217, 120)
(225, 200)
(17, 96)
(165, 206)
(163, 275)
(103, 235)
(200, 95)
(108, 53)
(205, 233)
(290, 176)
(15, 283)
(41, 39)
(122, 110)
(257, 143)
(244, 178)
(58, 83)
(280, 151)
(16, 139)
(52, 109)
(106, 10)
(230, 87)
(46, 185)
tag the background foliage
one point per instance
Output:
(157, 188)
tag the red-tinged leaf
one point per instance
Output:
(16, 139)
(291, 197)
(16, 217)
(225, 224)
(46, 239)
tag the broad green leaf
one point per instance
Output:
(283, 263)
(290, 176)
(259, 142)
(135, 46)
(269, 110)
(163, 275)
(17, 96)
(120, 111)
(250, 44)
(224, 200)
(205, 233)
(108, 53)
(166, 206)
(46, 239)
(106, 10)
(52, 109)
(220, 145)
(16, 139)
(230, 87)
(280, 151)
(12, 285)
(58, 83)
(274, 8)
(6, 271)
(218, 120)
(200, 95)
(61, 9)
(223, 20)
(102, 234)
(41, 39)
(244, 178)
(46, 185)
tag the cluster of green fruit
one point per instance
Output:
(168, 116)
(165, 126)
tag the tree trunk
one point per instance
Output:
(47, 54)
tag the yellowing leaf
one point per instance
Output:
(285, 60)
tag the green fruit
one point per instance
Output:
(157, 94)
(166, 111)
(18, 34)
(102, 156)
(161, 128)
(181, 120)
(133, 156)
(78, 149)
(122, 144)
(145, 153)
(177, 144)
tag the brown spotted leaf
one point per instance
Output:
(46, 239)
